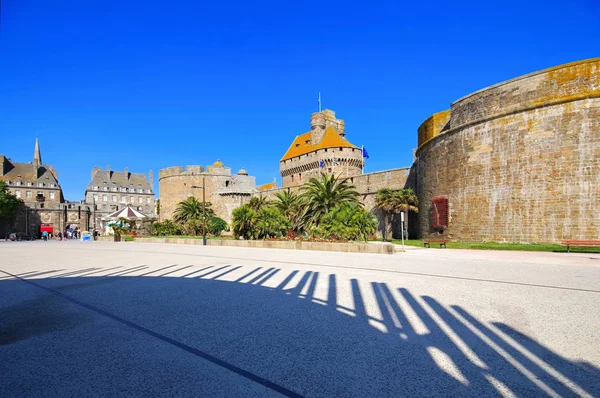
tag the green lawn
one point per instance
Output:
(188, 237)
(534, 247)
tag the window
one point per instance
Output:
(226, 183)
(114, 189)
(105, 198)
(131, 199)
(18, 194)
(148, 200)
(148, 191)
(114, 198)
(95, 197)
(292, 178)
(51, 195)
(95, 187)
(140, 200)
(300, 176)
(439, 212)
(28, 194)
(105, 188)
(123, 199)
(52, 185)
(40, 184)
(17, 183)
(28, 183)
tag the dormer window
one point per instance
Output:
(17, 182)
(95, 187)
(51, 185)
(297, 145)
(307, 142)
(28, 183)
(40, 184)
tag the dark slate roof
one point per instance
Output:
(27, 173)
(120, 179)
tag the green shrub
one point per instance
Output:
(347, 221)
(216, 225)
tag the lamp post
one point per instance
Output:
(203, 209)
(94, 211)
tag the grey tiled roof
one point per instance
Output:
(17, 171)
(120, 179)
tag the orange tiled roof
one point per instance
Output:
(331, 139)
(265, 187)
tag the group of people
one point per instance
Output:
(65, 235)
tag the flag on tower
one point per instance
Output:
(365, 153)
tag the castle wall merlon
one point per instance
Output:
(170, 171)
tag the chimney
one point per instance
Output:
(95, 171)
(150, 177)
(127, 172)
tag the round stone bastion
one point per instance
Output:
(515, 162)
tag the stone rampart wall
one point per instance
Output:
(367, 186)
(519, 161)
(304, 167)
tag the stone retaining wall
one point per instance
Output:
(385, 248)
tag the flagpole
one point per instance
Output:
(319, 101)
(362, 153)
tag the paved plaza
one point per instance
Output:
(132, 319)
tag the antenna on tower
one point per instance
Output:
(319, 101)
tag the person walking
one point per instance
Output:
(45, 235)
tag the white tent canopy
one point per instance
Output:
(128, 213)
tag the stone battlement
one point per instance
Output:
(561, 84)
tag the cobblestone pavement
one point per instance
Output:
(131, 319)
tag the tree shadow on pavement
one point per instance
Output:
(398, 344)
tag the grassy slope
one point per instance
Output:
(538, 247)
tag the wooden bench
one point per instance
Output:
(580, 243)
(428, 242)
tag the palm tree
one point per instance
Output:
(395, 201)
(290, 205)
(322, 194)
(191, 209)
(257, 203)
(242, 222)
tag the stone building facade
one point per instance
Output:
(224, 190)
(323, 149)
(518, 161)
(112, 190)
(37, 185)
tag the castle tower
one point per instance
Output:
(317, 127)
(323, 149)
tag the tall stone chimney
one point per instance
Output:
(150, 178)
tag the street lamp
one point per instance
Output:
(203, 209)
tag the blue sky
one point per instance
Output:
(147, 85)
